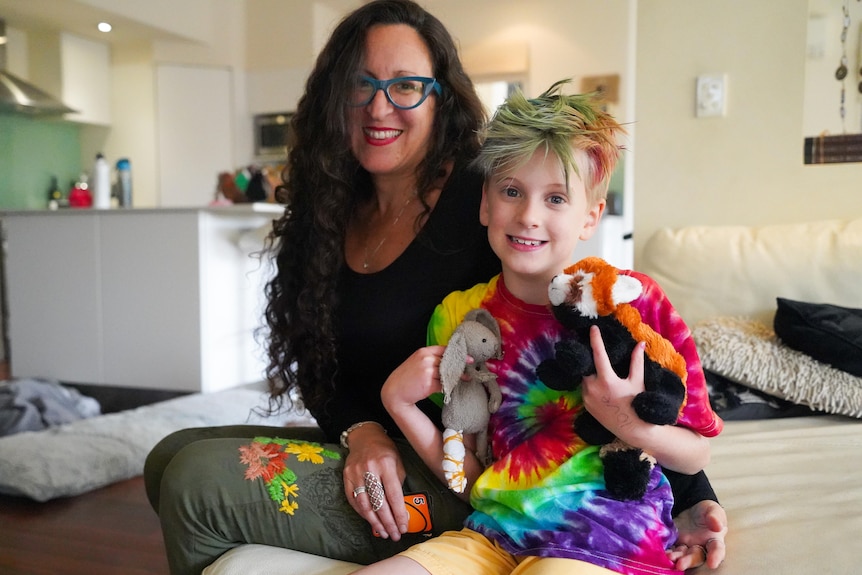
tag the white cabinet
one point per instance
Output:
(74, 69)
(86, 79)
(157, 299)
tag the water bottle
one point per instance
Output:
(124, 182)
(101, 185)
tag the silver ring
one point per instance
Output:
(375, 490)
(358, 490)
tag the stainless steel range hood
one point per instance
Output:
(19, 96)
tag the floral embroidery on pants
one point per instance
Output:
(267, 458)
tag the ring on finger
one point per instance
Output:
(702, 548)
(375, 490)
(358, 490)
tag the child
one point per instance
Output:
(541, 505)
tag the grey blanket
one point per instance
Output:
(70, 459)
(36, 404)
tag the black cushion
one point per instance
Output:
(828, 333)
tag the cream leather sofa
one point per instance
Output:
(792, 487)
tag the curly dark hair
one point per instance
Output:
(324, 184)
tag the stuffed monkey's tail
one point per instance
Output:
(453, 460)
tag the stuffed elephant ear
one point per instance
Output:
(453, 363)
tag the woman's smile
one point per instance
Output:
(381, 136)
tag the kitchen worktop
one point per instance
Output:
(142, 298)
(235, 209)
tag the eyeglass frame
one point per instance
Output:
(431, 85)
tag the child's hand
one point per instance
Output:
(608, 397)
(414, 380)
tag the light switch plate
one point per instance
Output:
(711, 95)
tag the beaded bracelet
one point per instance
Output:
(353, 428)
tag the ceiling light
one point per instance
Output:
(104, 27)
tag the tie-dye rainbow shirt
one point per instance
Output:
(544, 494)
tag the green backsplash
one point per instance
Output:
(31, 151)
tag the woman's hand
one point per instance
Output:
(372, 451)
(702, 528)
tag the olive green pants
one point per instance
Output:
(217, 488)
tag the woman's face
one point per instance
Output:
(387, 141)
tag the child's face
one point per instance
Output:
(534, 222)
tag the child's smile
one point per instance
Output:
(526, 242)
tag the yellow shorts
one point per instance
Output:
(467, 552)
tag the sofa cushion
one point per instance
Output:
(829, 333)
(710, 271)
(748, 352)
(252, 559)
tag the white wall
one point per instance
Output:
(563, 38)
(133, 134)
(745, 168)
(218, 30)
(823, 56)
(550, 39)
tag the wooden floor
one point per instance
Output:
(111, 531)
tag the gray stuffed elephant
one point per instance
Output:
(470, 391)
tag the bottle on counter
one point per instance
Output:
(123, 191)
(101, 183)
(79, 194)
(55, 196)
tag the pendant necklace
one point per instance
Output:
(370, 256)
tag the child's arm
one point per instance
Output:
(608, 398)
(412, 381)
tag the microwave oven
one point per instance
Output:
(271, 136)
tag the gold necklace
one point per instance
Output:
(370, 256)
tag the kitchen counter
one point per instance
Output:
(229, 210)
(145, 298)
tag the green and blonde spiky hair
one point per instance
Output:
(572, 127)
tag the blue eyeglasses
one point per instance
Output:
(405, 93)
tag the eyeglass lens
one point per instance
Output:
(405, 93)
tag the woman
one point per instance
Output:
(382, 222)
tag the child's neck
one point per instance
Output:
(531, 290)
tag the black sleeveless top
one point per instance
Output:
(383, 317)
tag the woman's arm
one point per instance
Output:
(608, 398)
